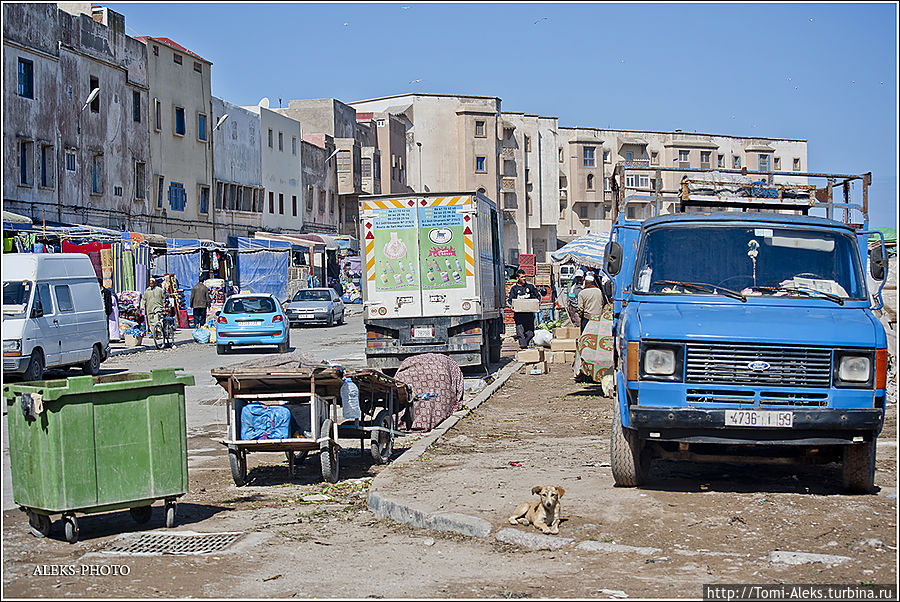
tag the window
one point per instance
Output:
(527, 144)
(654, 158)
(63, 298)
(179, 121)
(48, 166)
(637, 180)
(588, 156)
(321, 201)
(281, 141)
(157, 109)
(560, 153)
(480, 165)
(204, 199)
(721, 161)
(159, 191)
(510, 201)
(508, 134)
(271, 202)
(177, 58)
(379, 123)
(684, 157)
(95, 104)
(26, 158)
(590, 181)
(704, 159)
(97, 174)
(343, 161)
(631, 213)
(26, 78)
(309, 198)
(177, 196)
(606, 156)
(198, 67)
(366, 167)
(270, 138)
(43, 296)
(582, 212)
(796, 164)
(139, 187)
(735, 161)
(330, 202)
(777, 163)
(629, 156)
(281, 203)
(479, 129)
(293, 145)
(201, 127)
(70, 160)
(607, 185)
(117, 191)
(156, 51)
(294, 204)
(764, 164)
(136, 106)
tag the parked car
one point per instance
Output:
(53, 314)
(252, 319)
(311, 305)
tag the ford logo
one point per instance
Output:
(758, 366)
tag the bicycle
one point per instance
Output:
(163, 330)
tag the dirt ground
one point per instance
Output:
(714, 523)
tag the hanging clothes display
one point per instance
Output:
(141, 266)
(128, 260)
(118, 268)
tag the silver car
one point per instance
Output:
(312, 305)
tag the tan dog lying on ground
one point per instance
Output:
(543, 513)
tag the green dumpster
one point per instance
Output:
(93, 444)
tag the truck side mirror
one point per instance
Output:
(37, 310)
(877, 263)
(613, 258)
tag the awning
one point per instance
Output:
(14, 221)
(587, 250)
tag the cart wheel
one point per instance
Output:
(296, 458)
(382, 443)
(170, 514)
(141, 514)
(39, 523)
(409, 416)
(329, 456)
(71, 524)
(238, 467)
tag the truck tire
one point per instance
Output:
(630, 463)
(858, 467)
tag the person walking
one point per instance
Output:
(152, 302)
(590, 300)
(200, 302)
(575, 287)
(524, 320)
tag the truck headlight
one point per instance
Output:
(855, 369)
(659, 362)
(12, 347)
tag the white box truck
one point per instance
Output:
(433, 279)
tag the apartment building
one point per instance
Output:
(68, 156)
(239, 195)
(319, 184)
(390, 138)
(182, 165)
(588, 156)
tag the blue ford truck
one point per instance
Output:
(743, 325)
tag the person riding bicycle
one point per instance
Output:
(153, 302)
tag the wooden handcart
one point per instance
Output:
(313, 396)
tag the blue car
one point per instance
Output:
(252, 319)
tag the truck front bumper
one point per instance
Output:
(825, 426)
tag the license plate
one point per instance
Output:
(305, 316)
(756, 418)
(251, 323)
(423, 332)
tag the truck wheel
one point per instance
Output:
(858, 467)
(35, 370)
(629, 465)
(92, 366)
(382, 443)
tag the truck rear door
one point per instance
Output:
(447, 234)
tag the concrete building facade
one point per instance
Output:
(67, 160)
(319, 184)
(390, 138)
(182, 169)
(237, 158)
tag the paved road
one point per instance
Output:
(344, 344)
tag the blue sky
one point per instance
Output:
(826, 73)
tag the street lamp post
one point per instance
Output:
(91, 97)
(421, 187)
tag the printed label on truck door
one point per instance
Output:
(442, 247)
(396, 257)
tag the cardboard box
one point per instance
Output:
(538, 368)
(559, 357)
(563, 345)
(526, 305)
(566, 332)
(570, 357)
(530, 356)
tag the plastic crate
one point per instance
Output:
(527, 259)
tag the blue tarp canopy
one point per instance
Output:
(261, 243)
(262, 266)
(185, 266)
(181, 243)
(587, 250)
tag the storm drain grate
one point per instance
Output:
(171, 543)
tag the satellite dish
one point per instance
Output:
(264, 102)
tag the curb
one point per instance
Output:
(401, 512)
(142, 348)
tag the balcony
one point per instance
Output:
(508, 183)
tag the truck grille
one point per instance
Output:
(730, 364)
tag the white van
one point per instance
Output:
(53, 314)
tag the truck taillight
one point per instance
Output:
(221, 320)
(880, 368)
(633, 359)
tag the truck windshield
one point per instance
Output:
(16, 294)
(752, 261)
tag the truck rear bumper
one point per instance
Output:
(381, 362)
(819, 427)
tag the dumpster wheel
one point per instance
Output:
(171, 508)
(40, 524)
(71, 527)
(141, 514)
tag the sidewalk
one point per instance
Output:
(183, 336)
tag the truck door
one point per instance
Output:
(447, 255)
(393, 272)
(44, 331)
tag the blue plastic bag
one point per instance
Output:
(201, 335)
